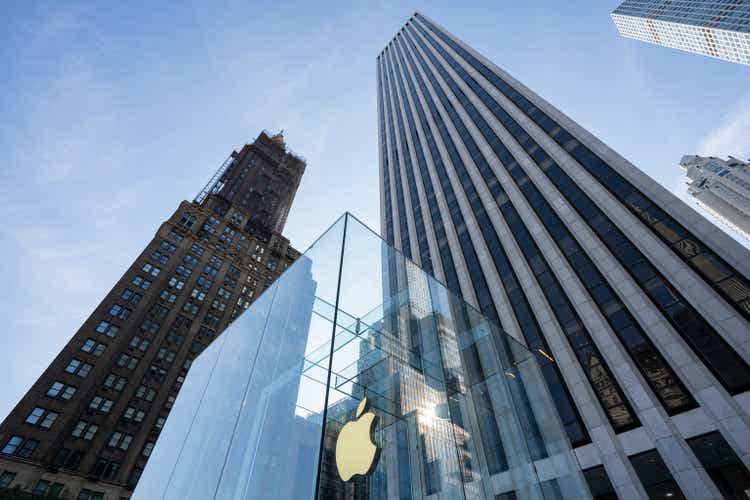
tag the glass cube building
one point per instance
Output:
(357, 375)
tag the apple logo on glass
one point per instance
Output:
(356, 453)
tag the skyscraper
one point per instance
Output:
(87, 427)
(722, 188)
(637, 308)
(714, 28)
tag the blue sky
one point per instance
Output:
(115, 112)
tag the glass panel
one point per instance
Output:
(655, 477)
(721, 462)
(357, 375)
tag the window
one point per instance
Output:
(148, 448)
(145, 393)
(120, 440)
(722, 464)
(175, 235)
(85, 430)
(209, 271)
(58, 389)
(44, 487)
(107, 329)
(190, 260)
(130, 296)
(167, 296)
(141, 282)
(68, 459)
(150, 326)
(151, 269)
(169, 247)
(79, 368)
(128, 361)
(27, 448)
(132, 414)
(139, 343)
(166, 355)
(87, 494)
(599, 484)
(119, 312)
(183, 271)
(655, 477)
(187, 220)
(161, 258)
(175, 283)
(198, 295)
(204, 282)
(12, 445)
(106, 469)
(169, 402)
(42, 417)
(115, 382)
(216, 261)
(160, 422)
(6, 478)
(101, 404)
(93, 347)
(196, 249)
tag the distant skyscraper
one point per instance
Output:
(722, 188)
(715, 28)
(637, 308)
(86, 428)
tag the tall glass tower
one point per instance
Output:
(714, 28)
(637, 308)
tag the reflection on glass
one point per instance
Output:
(455, 408)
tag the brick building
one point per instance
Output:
(87, 426)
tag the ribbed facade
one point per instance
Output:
(637, 308)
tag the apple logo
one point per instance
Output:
(356, 453)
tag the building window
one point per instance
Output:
(26, 450)
(160, 422)
(42, 417)
(722, 464)
(12, 445)
(45, 488)
(138, 342)
(655, 477)
(159, 257)
(151, 269)
(68, 459)
(167, 296)
(107, 329)
(78, 368)
(132, 414)
(169, 247)
(58, 389)
(190, 260)
(175, 235)
(141, 282)
(127, 361)
(106, 469)
(115, 382)
(87, 494)
(187, 220)
(599, 484)
(119, 312)
(85, 430)
(93, 347)
(101, 404)
(184, 271)
(130, 296)
(6, 478)
(209, 271)
(145, 393)
(176, 283)
(198, 250)
(120, 440)
(148, 449)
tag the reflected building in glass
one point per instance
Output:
(357, 375)
(636, 308)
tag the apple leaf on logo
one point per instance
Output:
(361, 407)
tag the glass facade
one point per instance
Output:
(358, 375)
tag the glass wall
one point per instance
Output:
(357, 375)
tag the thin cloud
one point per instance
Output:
(732, 136)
